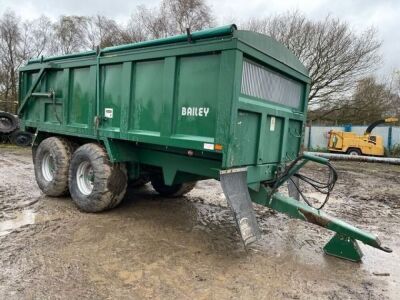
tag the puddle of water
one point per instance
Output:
(24, 217)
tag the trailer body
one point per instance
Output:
(233, 98)
(220, 103)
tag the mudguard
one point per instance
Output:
(234, 185)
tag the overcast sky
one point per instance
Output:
(360, 14)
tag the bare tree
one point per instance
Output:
(69, 32)
(135, 30)
(171, 17)
(396, 81)
(104, 32)
(152, 22)
(371, 100)
(37, 36)
(335, 56)
(192, 14)
(19, 41)
(393, 84)
(10, 36)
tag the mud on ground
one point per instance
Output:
(153, 247)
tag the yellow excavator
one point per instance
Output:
(355, 144)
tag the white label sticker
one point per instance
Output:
(108, 113)
(272, 125)
(208, 146)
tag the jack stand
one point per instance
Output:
(344, 247)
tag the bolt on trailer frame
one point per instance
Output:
(220, 103)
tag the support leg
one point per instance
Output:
(344, 247)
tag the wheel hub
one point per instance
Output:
(85, 178)
(48, 167)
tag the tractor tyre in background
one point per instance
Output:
(8, 123)
(22, 138)
(175, 190)
(95, 183)
(51, 161)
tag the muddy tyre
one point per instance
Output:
(51, 160)
(175, 190)
(95, 183)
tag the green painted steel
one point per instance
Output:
(67, 56)
(346, 233)
(266, 44)
(196, 91)
(203, 34)
(146, 111)
(173, 95)
(79, 87)
(34, 82)
(344, 247)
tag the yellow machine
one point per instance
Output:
(355, 144)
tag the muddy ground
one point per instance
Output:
(186, 248)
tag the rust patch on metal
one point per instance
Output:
(315, 219)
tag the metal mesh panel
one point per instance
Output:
(260, 82)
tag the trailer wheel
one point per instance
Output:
(51, 160)
(354, 151)
(95, 183)
(175, 190)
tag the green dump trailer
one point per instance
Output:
(220, 103)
